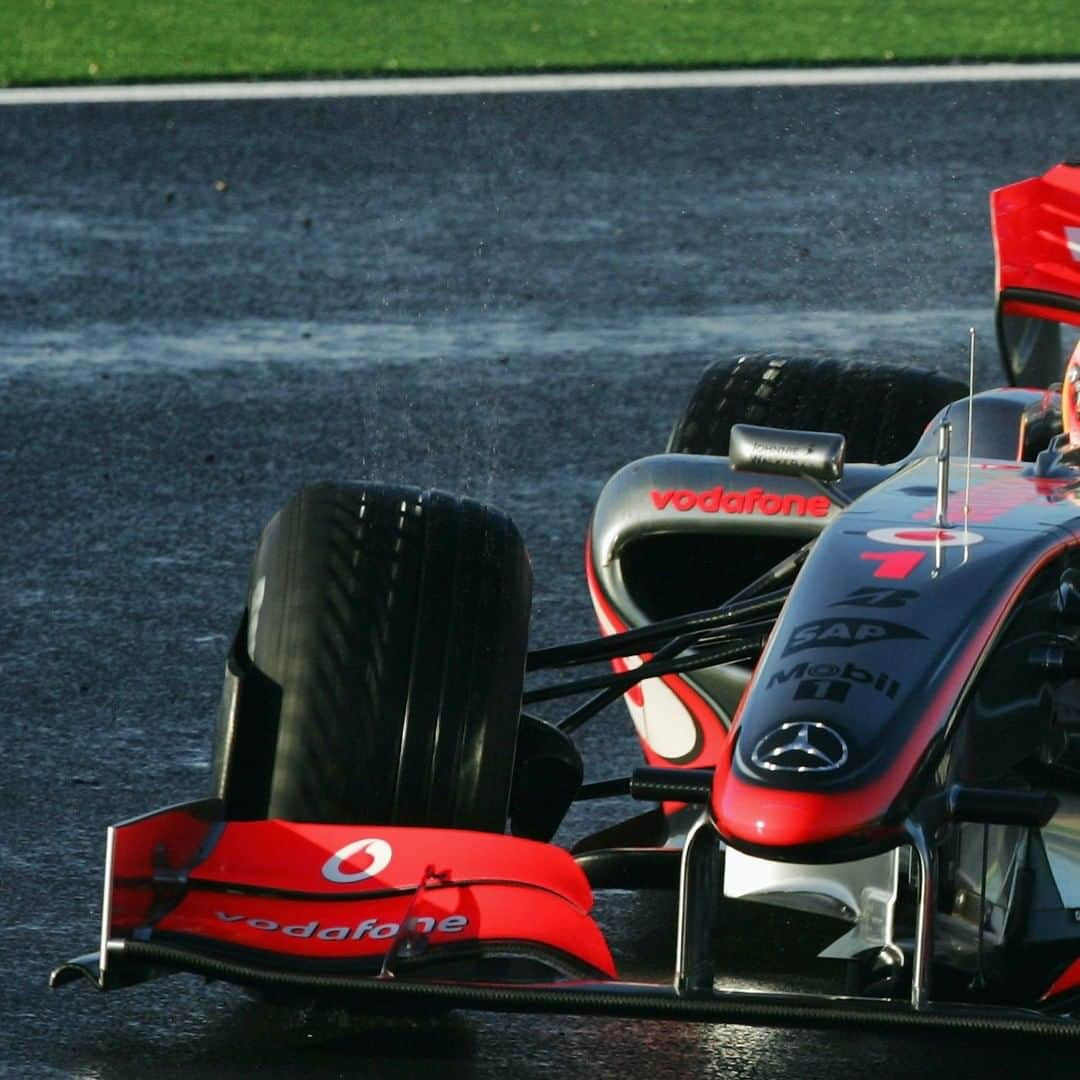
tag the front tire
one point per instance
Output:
(385, 637)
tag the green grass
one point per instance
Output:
(59, 41)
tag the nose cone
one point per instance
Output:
(756, 815)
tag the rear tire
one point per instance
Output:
(385, 638)
(881, 409)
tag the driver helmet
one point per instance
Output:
(1070, 391)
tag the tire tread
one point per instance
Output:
(880, 408)
(394, 622)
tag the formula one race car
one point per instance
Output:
(857, 689)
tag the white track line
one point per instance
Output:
(532, 84)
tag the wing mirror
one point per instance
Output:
(816, 454)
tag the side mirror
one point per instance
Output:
(816, 454)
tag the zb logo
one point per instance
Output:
(875, 596)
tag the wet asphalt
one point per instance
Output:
(204, 306)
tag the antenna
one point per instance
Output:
(944, 442)
(971, 425)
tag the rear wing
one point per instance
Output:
(1036, 230)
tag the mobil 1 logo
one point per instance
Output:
(831, 682)
(842, 633)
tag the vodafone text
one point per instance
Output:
(451, 924)
(753, 501)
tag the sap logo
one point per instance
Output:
(843, 633)
(754, 501)
(451, 924)
(378, 851)
(877, 596)
(830, 682)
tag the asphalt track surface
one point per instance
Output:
(203, 306)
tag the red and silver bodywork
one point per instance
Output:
(861, 707)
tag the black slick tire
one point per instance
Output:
(383, 653)
(882, 409)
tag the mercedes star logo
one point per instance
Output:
(800, 746)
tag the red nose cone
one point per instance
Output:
(769, 817)
(762, 816)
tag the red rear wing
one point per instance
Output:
(1036, 229)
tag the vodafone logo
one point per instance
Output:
(369, 928)
(378, 851)
(926, 537)
(753, 501)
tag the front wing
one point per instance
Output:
(412, 919)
